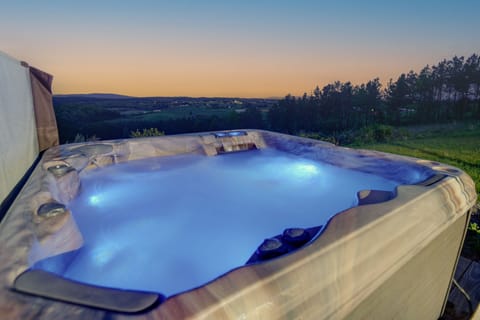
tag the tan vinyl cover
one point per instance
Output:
(42, 101)
(19, 141)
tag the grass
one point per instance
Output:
(457, 145)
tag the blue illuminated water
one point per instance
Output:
(174, 223)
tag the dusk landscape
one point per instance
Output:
(260, 118)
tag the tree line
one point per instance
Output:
(449, 90)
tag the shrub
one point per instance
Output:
(382, 133)
(150, 132)
(319, 136)
(374, 134)
(81, 138)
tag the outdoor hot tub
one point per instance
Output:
(244, 224)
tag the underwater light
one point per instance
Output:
(95, 199)
(305, 170)
(104, 252)
(237, 133)
(230, 134)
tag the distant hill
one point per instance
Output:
(94, 96)
(110, 96)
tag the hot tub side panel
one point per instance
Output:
(420, 288)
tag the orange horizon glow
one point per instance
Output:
(243, 49)
(234, 77)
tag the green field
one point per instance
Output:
(182, 112)
(457, 145)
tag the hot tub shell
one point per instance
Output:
(386, 258)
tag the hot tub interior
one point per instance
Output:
(185, 220)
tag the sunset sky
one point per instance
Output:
(249, 48)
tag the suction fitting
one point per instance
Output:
(292, 239)
(295, 236)
(51, 209)
(270, 248)
(60, 169)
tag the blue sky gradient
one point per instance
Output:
(233, 48)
